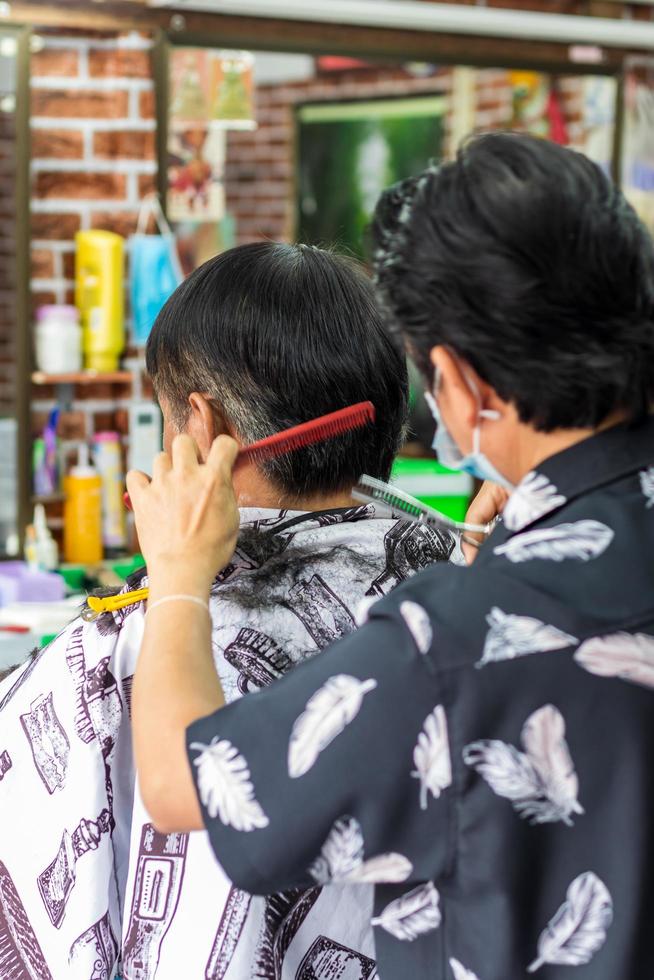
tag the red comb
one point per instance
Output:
(306, 434)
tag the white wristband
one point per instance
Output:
(179, 597)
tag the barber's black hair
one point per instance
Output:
(279, 334)
(524, 258)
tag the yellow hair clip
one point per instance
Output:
(96, 605)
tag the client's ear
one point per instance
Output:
(205, 422)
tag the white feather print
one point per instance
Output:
(578, 930)
(389, 868)
(511, 636)
(412, 914)
(543, 736)
(341, 859)
(541, 783)
(362, 612)
(629, 656)
(460, 972)
(225, 786)
(532, 499)
(582, 540)
(508, 772)
(647, 485)
(418, 624)
(431, 756)
(341, 853)
(328, 712)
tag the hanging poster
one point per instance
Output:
(211, 92)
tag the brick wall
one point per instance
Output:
(93, 159)
(93, 148)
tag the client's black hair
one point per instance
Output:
(524, 258)
(277, 335)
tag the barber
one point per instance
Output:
(482, 749)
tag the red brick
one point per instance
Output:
(58, 227)
(72, 425)
(77, 186)
(104, 422)
(69, 265)
(121, 63)
(81, 104)
(146, 104)
(38, 422)
(121, 222)
(147, 184)
(121, 421)
(49, 62)
(63, 144)
(124, 143)
(42, 263)
(42, 298)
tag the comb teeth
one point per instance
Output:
(308, 433)
(371, 489)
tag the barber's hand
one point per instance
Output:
(186, 515)
(487, 505)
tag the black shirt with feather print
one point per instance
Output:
(482, 749)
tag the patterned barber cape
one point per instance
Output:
(482, 749)
(81, 866)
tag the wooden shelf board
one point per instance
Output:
(82, 378)
(51, 498)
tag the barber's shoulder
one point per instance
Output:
(435, 609)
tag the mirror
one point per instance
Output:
(298, 147)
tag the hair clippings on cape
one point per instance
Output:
(402, 505)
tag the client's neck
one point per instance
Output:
(253, 490)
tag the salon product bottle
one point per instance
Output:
(108, 460)
(58, 339)
(83, 512)
(99, 288)
(41, 552)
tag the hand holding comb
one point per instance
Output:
(307, 434)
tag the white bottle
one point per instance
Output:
(145, 435)
(43, 552)
(108, 459)
(58, 339)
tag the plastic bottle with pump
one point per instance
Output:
(41, 551)
(83, 512)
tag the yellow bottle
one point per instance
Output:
(99, 296)
(83, 512)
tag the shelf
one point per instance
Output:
(50, 498)
(83, 378)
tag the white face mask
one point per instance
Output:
(448, 452)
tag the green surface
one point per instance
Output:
(74, 576)
(435, 485)
(125, 568)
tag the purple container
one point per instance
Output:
(19, 584)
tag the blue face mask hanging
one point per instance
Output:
(449, 454)
(154, 268)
